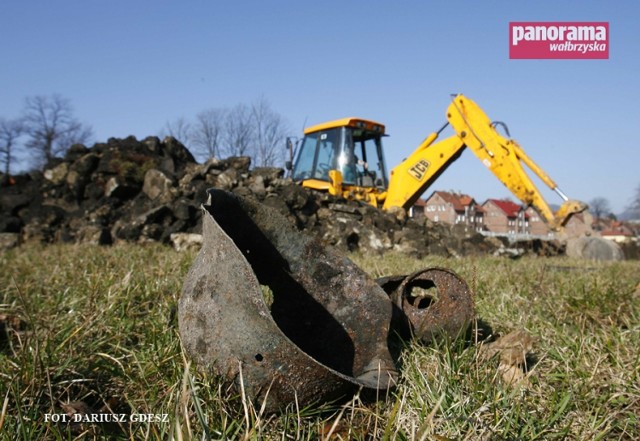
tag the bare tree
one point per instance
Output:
(635, 202)
(208, 132)
(180, 129)
(270, 133)
(600, 207)
(10, 131)
(257, 131)
(239, 131)
(51, 127)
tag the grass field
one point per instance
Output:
(85, 327)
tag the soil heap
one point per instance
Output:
(151, 190)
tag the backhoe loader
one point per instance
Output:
(345, 158)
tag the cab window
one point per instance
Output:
(317, 155)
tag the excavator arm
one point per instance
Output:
(504, 157)
(411, 178)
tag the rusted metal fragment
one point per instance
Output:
(431, 302)
(326, 332)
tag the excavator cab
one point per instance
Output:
(345, 153)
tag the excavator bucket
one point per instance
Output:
(284, 318)
(566, 210)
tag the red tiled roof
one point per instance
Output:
(508, 207)
(620, 231)
(615, 233)
(459, 201)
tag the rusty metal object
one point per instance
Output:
(324, 335)
(431, 302)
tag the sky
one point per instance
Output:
(128, 67)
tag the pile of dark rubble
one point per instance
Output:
(151, 190)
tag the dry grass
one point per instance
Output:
(96, 327)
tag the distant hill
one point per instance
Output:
(629, 215)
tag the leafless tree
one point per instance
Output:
(600, 207)
(10, 131)
(270, 133)
(239, 131)
(180, 129)
(256, 130)
(635, 202)
(51, 127)
(208, 132)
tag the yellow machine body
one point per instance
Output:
(345, 158)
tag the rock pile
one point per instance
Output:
(151, 190)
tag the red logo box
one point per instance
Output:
(559, 40)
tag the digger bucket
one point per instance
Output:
(319, 333)
(566, 210)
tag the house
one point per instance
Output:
(418, 209)
(578, 225)
(454, 208)
(618, 232)
(502, 216)
(537, 225)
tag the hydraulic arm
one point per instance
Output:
(504, 157)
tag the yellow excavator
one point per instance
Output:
(345, 158)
